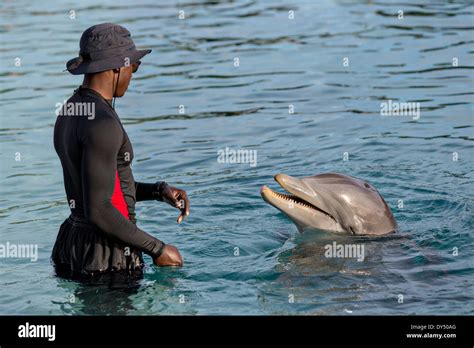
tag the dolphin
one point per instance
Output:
(332, 202)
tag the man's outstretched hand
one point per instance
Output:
(169, 257)
(178, 199)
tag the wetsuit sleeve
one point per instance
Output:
(99, 164)
(147, 192)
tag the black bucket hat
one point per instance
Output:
(104, 47)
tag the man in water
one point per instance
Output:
(101, 236)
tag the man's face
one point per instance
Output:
(125, 77)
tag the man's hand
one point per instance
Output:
(176, 198)
(169, 257)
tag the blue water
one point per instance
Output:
(283, 62)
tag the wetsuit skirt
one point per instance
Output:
(82, 249)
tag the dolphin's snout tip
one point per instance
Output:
(282, 179)
(263, 188)
(278, 177)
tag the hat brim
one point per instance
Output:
(78, 66)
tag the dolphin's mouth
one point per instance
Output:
(267, 193)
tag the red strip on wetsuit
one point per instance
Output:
(118, 200)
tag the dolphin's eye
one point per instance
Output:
(367, 185)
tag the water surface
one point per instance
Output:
(283, 62)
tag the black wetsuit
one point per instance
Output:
(101, 234)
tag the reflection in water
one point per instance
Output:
(313, 254)
(105, 294)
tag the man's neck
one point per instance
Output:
(102, 83)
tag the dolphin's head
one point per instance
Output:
(332, 202)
